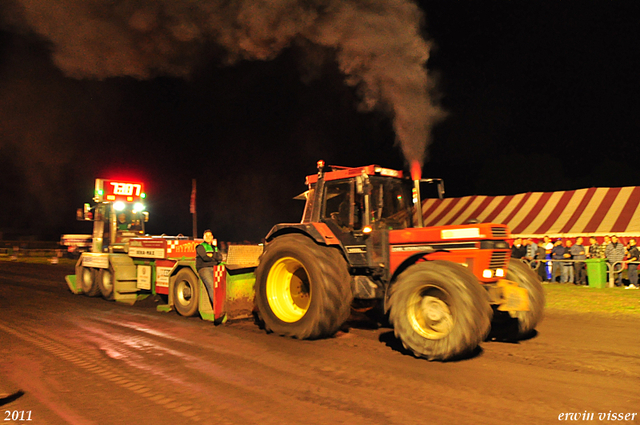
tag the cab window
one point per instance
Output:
(342, 206)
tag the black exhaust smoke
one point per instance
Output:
(377, 44)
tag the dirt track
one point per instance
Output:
(87, 361)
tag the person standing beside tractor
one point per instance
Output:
(207, 256)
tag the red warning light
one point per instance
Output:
(416, 170)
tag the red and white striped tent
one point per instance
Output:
(596, 211)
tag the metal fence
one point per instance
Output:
(612, 268)
(34, 252)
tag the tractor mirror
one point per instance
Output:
(363, 185)
(441, 189)
(429, 190)
(145, 214)
(84, 213)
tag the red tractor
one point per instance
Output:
(361, 242)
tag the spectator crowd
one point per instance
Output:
(568, 257)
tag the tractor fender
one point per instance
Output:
(319, 232)
(410, 261)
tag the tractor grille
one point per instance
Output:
(499, 232)
(498, 260)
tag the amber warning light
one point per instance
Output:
(117, 190)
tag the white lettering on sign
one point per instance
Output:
(126, 189)
(162, 276)
(146, 252)
(99, 261)
(144, 277)
(408, 248)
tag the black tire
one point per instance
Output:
(186, 293)
(105, 284)
(439, 310)
(303, 290)
(88, 277)
(520, 273)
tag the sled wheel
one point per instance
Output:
(186, 293)
(89, 281)
(105, 283)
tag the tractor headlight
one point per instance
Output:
(499, 272)
(486, 273)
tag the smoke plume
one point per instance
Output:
(377, 44)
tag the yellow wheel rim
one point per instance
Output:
(429, 313)
(288, 289)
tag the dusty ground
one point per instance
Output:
(71, 359)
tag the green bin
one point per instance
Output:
(597, 272)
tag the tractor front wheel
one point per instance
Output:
(303, 290)
(439, 310)
(520, 273)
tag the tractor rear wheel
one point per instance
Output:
(520, 273)
(105, 283)
(88, 281)
(303, 290)
(186, 293)
(439, 310)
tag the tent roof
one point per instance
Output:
(596, 211)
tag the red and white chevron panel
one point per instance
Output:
(219, 275)
(594, 211)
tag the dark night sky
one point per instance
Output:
(539, 96)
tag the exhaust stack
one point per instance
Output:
(416, 175)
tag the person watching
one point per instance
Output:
(634, 256)
(614, 253)
(578, 253)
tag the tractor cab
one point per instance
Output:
(360, 200)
